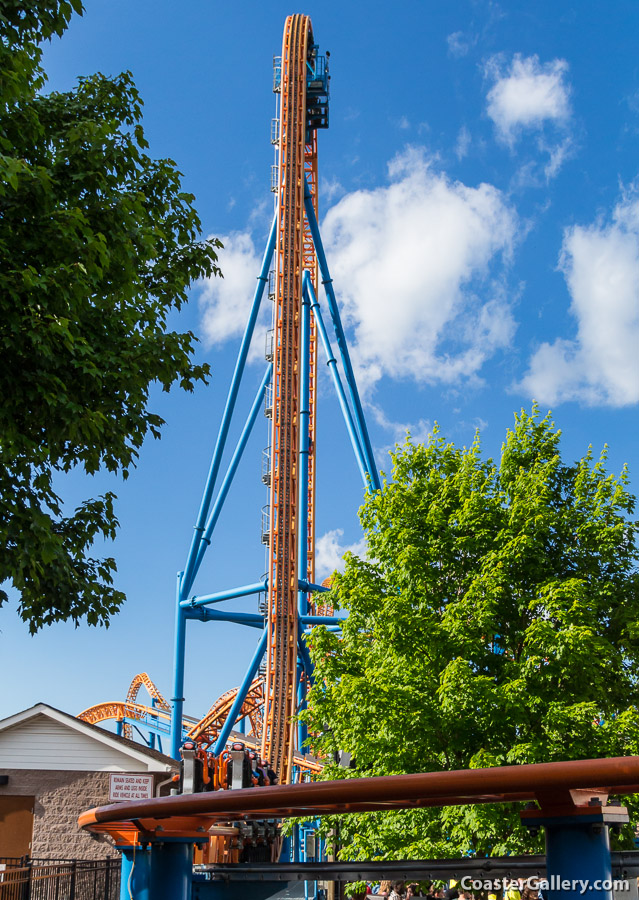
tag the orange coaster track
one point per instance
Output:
(208, 728)
(205, 731)
(270, 701)
(294, 250)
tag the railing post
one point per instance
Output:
(58, 879)
(74, 868)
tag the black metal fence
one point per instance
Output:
(57, 879)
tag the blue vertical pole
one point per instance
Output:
(171, 870)
(304, 655)
(189, 571)
(578, 860)
(154, 719)
(304, 425)
(302, 524)
(135, 874)
(287, 849)
(177, 699)
(240, 697)
(301, 704)
(341, 337)
(337, 381)
(295, 855)
(305, 664)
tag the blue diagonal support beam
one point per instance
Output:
(232, 594)
(190, 568)
(327, 281)
(240, 697)
(331, 362)
(230, 473)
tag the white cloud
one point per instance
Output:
(460, 43)
(419, 432)
(528, 95)
(557, 155)
(407, 260)
(463, 143)
(329, 552)
(225, 302)
(330, 189)
(601, 366)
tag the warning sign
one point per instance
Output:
(130, 787)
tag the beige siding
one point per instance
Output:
(42, 743)
(60, 797)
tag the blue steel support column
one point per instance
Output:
(578, 860)
(577, 853)
(302, 518)
(304, 422)
(295, 841)
(171, 870)
(177, 699)
(307, 663)
(337, 381)
(301, 704)
(341, 337)
(190, 568)
(135, 875)
(287, 849)
(240, 697)
(304, 655)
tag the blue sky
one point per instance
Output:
(479, 200)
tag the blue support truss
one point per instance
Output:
(191, 606)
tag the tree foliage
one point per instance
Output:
(494, 622)
(99, 244)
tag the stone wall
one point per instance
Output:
(60, 798)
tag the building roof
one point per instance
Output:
(111, 750)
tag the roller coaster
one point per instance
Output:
(150, 723)
(213, 807)
(263, 707)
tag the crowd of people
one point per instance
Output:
(438, 890)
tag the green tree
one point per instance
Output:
(495, 621)
(99, 245)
